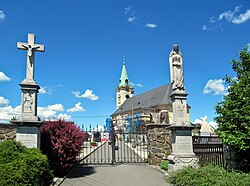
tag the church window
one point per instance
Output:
(119, 99)
(126, 81)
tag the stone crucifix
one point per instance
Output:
(31, 48)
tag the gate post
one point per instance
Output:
(113, 143)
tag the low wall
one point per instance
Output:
(159, 142)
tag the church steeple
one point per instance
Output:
(124, 81)
(124, 90)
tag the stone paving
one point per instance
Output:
(121, 175)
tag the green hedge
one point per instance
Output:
(208, 176)
(22, 166)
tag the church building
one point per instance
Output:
(153, 106)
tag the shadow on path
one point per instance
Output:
(81, 171)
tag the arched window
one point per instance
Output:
(126, 81)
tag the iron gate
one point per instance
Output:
(114, 147)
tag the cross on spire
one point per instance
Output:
(31, 47)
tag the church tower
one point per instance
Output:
(124, 90)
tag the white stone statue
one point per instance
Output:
(176, 68)
(31, 48)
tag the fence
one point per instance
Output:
(209, 149)
(111, 147)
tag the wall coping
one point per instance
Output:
(157, 125)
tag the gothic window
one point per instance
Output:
(126, 81)
(151, 119)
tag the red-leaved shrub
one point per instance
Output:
(61, 141)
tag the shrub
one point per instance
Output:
(22, 166)
(62, 142)
(208, 176)
(164, 164)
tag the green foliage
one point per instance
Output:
(164, 164)
(208, 176)
(62, 142)
(233, 113)
(22, 166)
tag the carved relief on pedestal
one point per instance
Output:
(27, 102)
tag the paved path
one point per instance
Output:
(120, 175)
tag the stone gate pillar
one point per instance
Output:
(159, 142)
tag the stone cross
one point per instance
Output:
(31, 48)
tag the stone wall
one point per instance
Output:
(159, 142)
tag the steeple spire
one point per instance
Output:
(124, 90)
(124, 81)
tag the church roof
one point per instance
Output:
(149, 99)
(124, 81)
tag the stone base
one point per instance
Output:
(180, 161)
(182, 148)
(28, 133)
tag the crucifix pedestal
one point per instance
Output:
(28, 124)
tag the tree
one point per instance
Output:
(234, 111)
(61, 141)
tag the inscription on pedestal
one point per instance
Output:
(28, 136)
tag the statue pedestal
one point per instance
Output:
(182, 148)
(28, 124)
(28, 133)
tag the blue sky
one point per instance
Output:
(85, 42)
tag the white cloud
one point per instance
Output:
(3, 101)
(136, 85)
(42, 90)
(50, 111)
(76, 108)
(3, 77)
(56, 107)
(131, 15)
(132, 19)
(2, 15)
(127, 9)
(63, 116)
(8, 112)
(242, 18)
(150, 25)
(234, 17)
(215, 87)
(88, 94)
(212, 19)
(204, 27)
(231, 16)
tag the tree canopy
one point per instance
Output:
(233, 113)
